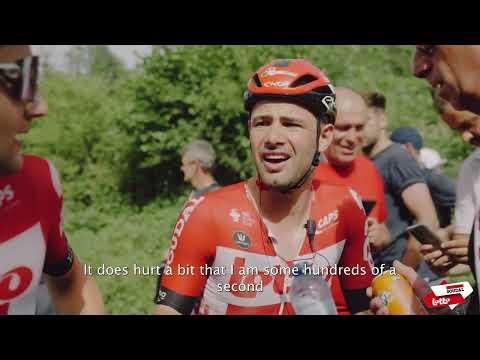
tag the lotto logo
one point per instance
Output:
(448, 295)
(441, 301)
(12, 285)
(6, 194)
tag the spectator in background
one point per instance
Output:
(431, 160)
(467, 197)
(346, 165)
(453, 73)
(442, 188)
(198, 162)
(406, 193)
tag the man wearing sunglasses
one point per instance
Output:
(32, 241)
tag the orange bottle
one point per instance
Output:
(397, 294)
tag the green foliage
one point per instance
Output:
(80, 135)
(105, 63)
(124, 239)
(96, 60)
(196, 92)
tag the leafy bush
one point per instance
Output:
(81, 137)
(196, 92)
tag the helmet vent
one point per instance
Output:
(306, 79)
(257, 80)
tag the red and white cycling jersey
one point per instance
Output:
(31, 236)
(224, 230)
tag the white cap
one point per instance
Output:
(430, 158)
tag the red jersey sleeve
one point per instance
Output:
(356, 256)
(59, 257)
(193, 247)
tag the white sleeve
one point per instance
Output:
(465, 202)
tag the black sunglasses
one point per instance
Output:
(20, 78)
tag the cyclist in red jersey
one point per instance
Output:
(346, 164)
(32, 241)
(231, 248)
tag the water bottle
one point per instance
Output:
(310, 294)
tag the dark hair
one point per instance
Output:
(375, 99)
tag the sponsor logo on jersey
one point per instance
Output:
(281, 84)
(22, 259)
(235, 215)
(326, 221)
(242, 239)
(250, 269)
(272, 71)
(15, 282)
(12, 285)
(247, 219)
(329, 102)
(180, 225)
(161, 295)
(6, 195)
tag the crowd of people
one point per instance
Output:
(332, 187)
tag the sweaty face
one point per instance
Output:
(283, 141)
(348, 135)
(453, 71)
(15, 116)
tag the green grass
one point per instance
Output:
(124, 240)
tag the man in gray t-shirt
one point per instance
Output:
(441, 187)
(399, 171)
(407, 197)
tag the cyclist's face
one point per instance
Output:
(283, 141)
(453, 70)
(348, 134)
(15, 116)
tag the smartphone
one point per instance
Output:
(368, 205)
(424, 235)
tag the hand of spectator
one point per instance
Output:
(377, 234)
(451, 257)
(457, 250)
(419, 286)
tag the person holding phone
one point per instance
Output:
(407, 196)
(453, 72)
